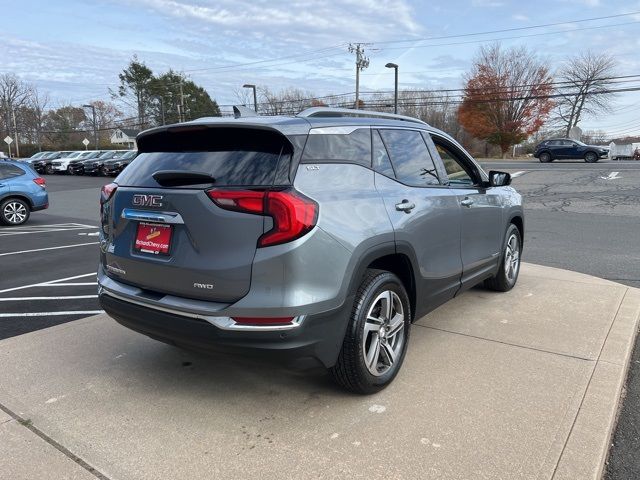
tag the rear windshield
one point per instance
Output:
(234, 158)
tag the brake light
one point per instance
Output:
(106, 193)
(293, 214)
(40, 181)
(262, 320)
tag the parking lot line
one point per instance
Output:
(62, 227)
(76, 284)
(517, 174)
(67, 297)
(48, 248)
(51, 314)
(50, 283)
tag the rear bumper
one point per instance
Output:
(315, 342)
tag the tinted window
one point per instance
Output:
(338, 144)
(410, 157)
(381, 162)
(458, 172)
(235, 167)
(9, 171)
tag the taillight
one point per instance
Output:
(262, 320)
(106, 193)
(293, 214)
(40, 181)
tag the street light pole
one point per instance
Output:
(255, 95)
(161, 101)
(95, 127)
(395, 95)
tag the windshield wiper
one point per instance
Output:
(174, 178)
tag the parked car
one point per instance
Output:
(317, 238)
(94, 166)
(61, 165)
(564, 148)
(22, 191)
(45, 163)
(115, 166)
(76, 167)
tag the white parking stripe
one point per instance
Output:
(62, 227)
(48, 248)
(51, 314)
(48, 284)
(68, 284)
(517, 174)
(72, 297)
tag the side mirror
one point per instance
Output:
(499, 179)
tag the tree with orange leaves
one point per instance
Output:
(506, 96)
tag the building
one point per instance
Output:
(125, 136)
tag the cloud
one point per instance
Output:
(487, 3)
(520, 17)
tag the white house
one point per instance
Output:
(125, 136)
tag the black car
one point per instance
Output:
(565, 148)
(76, 166)
(93, 165)
(115, 166)
(43, 164)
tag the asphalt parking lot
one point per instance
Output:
(579, 217)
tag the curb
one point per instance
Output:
(586, 449)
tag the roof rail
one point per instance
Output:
(349, 112)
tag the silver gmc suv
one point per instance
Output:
(316, 238)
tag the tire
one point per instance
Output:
(362, 340)
(48, 169)
(591, 157)
(545, 157)
(505, 279)
(14, 211)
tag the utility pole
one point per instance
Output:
(15, 129)
(362, 62)
(181, 103)
(95, 126)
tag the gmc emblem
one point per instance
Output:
(147, 200)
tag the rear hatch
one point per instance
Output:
(163, 232)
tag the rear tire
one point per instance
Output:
(509, 269)
(545, 157)
(376, 340)
(591, 157)
(14, 211)
(48, 169)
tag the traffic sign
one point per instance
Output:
(85, 142)
(8, 140)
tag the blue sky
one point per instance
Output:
(74, 49)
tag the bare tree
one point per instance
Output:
(585, 88)
(14, 94)
(38, 103)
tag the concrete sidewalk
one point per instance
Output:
(523, 385)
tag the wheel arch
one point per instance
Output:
(387, 257)
(19, 196)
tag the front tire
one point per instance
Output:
(14, 211)
(507, 275)
(48, 169)
(591, 157)
(377, 335)
(545, 157)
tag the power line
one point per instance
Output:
(515, 29)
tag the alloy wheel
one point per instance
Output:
(512, 258)
(15, 212)
(384, 334)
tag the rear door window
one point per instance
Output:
(10, 171)
(344, 144)
(410, 157)
(381, 160)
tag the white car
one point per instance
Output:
(62, 164)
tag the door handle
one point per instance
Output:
(467, 202)
(405, 206)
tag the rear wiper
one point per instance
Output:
(174, 178)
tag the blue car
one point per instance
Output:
(22, 191)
